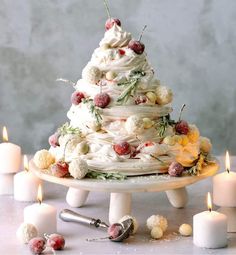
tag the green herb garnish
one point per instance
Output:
(93, 109)
(106, 176)
(130, 86)
(162, 125)
(68, 129)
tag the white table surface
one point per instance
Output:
(144, 205)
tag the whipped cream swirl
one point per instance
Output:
(116, 37)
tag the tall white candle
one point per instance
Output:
(6, 184)
(210, 228)
(10, 155)
(42, 216)
(26, 184)
(224, 186)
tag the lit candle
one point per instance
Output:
(41, 215)
(26, 184)
(10, 155)
(224, 186)
(210, 228)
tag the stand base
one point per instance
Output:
(177, 197)
(76, 197)
(230, 212)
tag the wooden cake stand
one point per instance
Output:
(121, 191)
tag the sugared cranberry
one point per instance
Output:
(122, 148)
(60, 169)
(56, 242)
(110, 22)
(53, 140)
(175, 169)
(140, 100)
(77, 97)
(182, 127)
(102, 100)
(121, 52)
(136, 46)
(114, 230)
(37, 245)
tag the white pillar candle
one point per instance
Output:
(42, 216)
(26, 184)
(10, 155)
(210, 229)
(6, 184)
(224, 187)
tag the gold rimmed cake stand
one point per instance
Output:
(121, 190)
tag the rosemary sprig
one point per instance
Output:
(157, 158)
(106, 176)
(93, 109)
(162, 125)
(131, 86)
(68, 129)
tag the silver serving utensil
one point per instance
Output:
(70, 216)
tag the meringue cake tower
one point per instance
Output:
(120, 114)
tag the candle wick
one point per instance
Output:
(227, 170)
(210, 209)
(40, 202)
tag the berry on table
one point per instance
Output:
(185, 230)
(60, 169)
(37, 245)
(115, 230)
(122, 148)
(102, 100)
(156, 232)
(175, 169)
(53, 140)
(77, 97)
(56, 241)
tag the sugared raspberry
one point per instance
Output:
(102, 100)
(110, 22)
(53, 140)
(175, 169)
(140, 100)
(136, 46)
(182, 127)
(122, 148)
(115, 230)
(60, 169)
(77, 97)
(37, 245)
(121, 52)
(56, 242)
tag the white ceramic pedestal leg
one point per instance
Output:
(177, 197)
(120, 205)
(230, 212)
(76, 197)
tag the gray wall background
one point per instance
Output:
(191, 45)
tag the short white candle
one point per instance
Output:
(6, 184)
(224, 187)
(42, 216)
(210, 228)
(26, 184)
(10, 155)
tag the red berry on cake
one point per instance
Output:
(102, 100)
(182, 127)
(53, 140)
(175, 169)
(121, 52)
(56, 242)
(136, 46)
(37, 245)
(110, 22)
(141, 99)
(122, 148)
(60, 169)
(77, 97)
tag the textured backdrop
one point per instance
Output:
(191, 45)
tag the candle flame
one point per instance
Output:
(227, 162)
(26, 163)
(40, 194)
(209, 203)
(4, 134)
